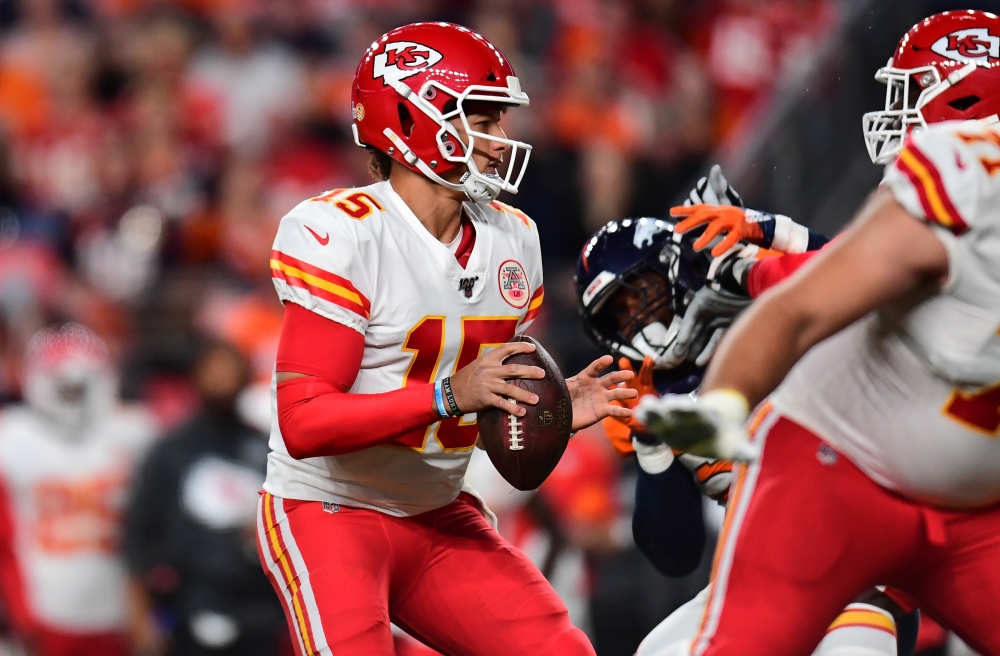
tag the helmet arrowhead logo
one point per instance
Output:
(972, 45)
(401, 59)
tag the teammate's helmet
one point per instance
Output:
(638, 255)
(68, 375)
(413, 81)
(947, 67)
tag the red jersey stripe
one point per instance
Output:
(933, 197)
(296, 267)
(320, 292)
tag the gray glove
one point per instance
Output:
(714, 190)
(709, 314)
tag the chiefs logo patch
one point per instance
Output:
(514, 284)
(401, 59)
(972, 45)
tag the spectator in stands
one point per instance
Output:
(190, 533)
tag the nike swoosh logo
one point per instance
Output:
(323, 241)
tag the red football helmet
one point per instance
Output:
(69, 375)
(410, 85)
(947, 67)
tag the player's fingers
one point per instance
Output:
(622, 394)
(618, 412)
(516, 393)
(507, 405)
(504, 351)
(728, 242)
(625, 364)
(519, 371)
(689, 223)
(646, 372)
(687, 210)
(595, 368)
(615, 377)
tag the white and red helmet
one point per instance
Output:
(947, 67)
(69, 375)
(413, 81)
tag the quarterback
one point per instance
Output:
(399, 300)
(874, 371)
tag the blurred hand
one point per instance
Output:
(483, 382)
(714, 190)
(619, 430)
(709, 426)
(593, 395)
(722, 220)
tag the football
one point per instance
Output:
(526, 449)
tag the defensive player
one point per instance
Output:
(647, 276)
(394, 295)
(66, 458)
(878, 456)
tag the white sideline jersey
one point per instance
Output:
(360, 257)
(914, 398)
(65, 497)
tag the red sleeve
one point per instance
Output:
(314, 345)
(316, 415)
(12, 591)
(769, 271)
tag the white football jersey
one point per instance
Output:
(360, 257)
(66, 497)
(913, 398)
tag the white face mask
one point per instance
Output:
(92, 386)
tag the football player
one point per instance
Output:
(634, 278)
(874, 459)
(399, 301)
(66, 459)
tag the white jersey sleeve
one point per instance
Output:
(949, 176)
(319, 260)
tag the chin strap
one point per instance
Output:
(476, 191)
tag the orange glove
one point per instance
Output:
(619, 431)
(720, 219)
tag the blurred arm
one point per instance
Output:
(12, 592)
(885, 255)
(668, 525)
(318, 361)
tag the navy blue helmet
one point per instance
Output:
(662, 271)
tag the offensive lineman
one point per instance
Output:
(392, 295)
(647, 279)
(887, 423)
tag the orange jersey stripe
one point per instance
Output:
(291, 580)
(504, 207)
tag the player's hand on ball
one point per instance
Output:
(592, 394)
(709, 426)
(481, 384)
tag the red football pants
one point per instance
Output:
(807, 531)
(445, 576)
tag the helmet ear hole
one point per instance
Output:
(405, 119)
(963, 103)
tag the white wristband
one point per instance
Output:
(789, 236)
(653, 458)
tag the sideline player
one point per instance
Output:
(886, 426)
(66, 460)
(393, 294)
(645, 276)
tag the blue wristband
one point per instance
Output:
(441, 408)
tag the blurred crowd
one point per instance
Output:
(148, 149)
